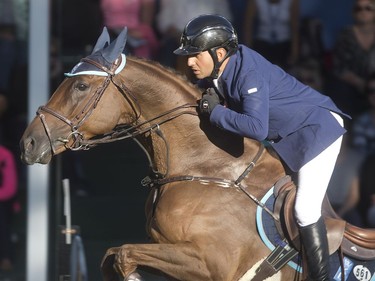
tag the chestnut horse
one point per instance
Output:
(202, 224)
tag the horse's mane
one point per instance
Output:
(157, 64)
(160, 70)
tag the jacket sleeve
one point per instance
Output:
(251, 117)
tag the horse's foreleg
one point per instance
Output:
(180, 261)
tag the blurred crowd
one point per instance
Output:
(328, 45)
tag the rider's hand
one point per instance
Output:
(208, 102)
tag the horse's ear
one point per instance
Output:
(102, 41)
(114, 50)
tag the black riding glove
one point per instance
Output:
(208, 102)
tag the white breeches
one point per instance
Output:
(313, 180)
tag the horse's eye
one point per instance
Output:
(81, 87)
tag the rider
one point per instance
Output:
(256, 99)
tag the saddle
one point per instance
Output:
(353, 241)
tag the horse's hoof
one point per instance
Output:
(134, 277)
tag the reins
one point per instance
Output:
(122, 132)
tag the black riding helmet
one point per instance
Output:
(208, 33)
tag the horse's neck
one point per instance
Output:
(160, 93)
(185, 144)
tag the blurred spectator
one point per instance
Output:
(333, 15)
(271, 27)
(311, 45)
(13, 36)
(238, 9)
(7, 53)
(138, 16)
(171, 20)
(308, 71)
(354, 58)
(363, 129)
(366, 205)
(8, 191)
(7, 42)
(13, 69)
(363, 142)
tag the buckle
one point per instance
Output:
(147, 181)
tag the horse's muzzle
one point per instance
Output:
(32, 152)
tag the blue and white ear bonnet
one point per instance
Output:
(106, 58)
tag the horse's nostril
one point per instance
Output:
(29, 144)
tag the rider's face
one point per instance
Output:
(201, 64)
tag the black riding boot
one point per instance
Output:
(315, 243)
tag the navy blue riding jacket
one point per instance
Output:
(266, 103)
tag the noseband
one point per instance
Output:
(121, 131)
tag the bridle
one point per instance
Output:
(75, 139)
(75, 123)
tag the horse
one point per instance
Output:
(205, 183)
